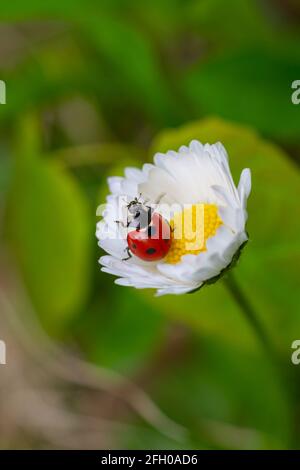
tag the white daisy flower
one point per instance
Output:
(195, 177)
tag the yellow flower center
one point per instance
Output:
(190, 230)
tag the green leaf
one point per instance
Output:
(50, 229)
(59, 72)
(215, 19)
(122, 332)
(19, 10)
(268, 270)
(251, 87)
(103, 154)
(212, 312)
(135, 67)
(232, 399)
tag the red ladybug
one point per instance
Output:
(151, 240)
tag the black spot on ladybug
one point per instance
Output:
(150, 251)
(133, 246)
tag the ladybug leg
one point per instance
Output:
(128, 253)
(122, 223)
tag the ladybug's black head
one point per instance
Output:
(140, 214)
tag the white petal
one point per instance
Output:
(114, 184)
(177, 290)
(244, 187)
(134, 174)
(232, 217)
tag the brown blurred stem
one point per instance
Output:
(249, 312)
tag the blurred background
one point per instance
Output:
(91, 87)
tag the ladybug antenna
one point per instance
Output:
(133, 202)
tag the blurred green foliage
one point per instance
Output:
(95, 86)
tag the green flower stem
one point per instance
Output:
(286, 373)
(250, 314)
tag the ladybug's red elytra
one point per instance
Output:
(150, 243)
(151, 239)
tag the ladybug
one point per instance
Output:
(151, 240)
